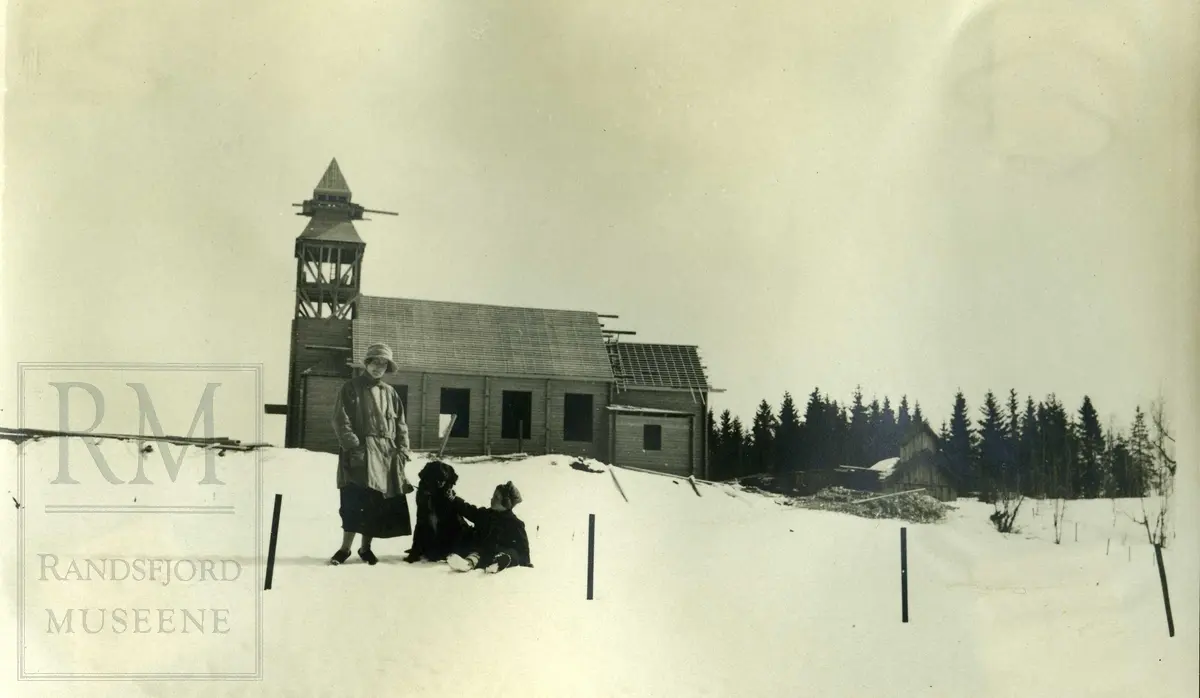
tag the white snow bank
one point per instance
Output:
(885, 466)
(725, 594)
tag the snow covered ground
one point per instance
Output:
(725, 594)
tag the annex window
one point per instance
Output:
(577, 417)
(652, 437)
(457, 401)
(516, 411)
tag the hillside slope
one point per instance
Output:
(723, 594)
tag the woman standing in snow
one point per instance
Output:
(368, 419)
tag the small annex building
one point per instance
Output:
(531, 380)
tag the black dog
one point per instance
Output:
(439, 531)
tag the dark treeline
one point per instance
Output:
(1040, 449)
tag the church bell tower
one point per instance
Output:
(329, 252)
(329, 256)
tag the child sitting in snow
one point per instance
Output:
(498, 540)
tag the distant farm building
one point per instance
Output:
(516, 379)
(921, 465)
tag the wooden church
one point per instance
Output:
(529, 380)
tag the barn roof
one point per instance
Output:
(486, 340)
(916, 429)
(659, 365)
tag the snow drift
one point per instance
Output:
(724, 594)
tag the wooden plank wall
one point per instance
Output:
(673, 458)
(598, 447)
(681, 401)
(320, 393)
(925, 475)
(313, 332)
(430, 407)
(487, 396)
(536, 443)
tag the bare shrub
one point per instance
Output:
(1060, 511)
(1161, 476)
(1007, 505)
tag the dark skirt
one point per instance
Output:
(367, 511)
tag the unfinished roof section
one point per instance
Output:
(484, 340)
(659, 366)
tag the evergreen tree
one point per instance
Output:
(856, 453)
(890, 447)
(762, 449)
(1059, 449)
(713, 436)
(1141, 455)
(1108, 466)
(991, 449)
(835, 431)
(961, 445)
(813, 438)
(918, 418)
(874, 445)
(1027, 451)
(903, 418)
(726, 447)
(1123, 481)
(739, 447)
(787, 437)
(1087, 472)
(1013, 432)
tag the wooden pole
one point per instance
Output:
(274, 539)
(591, 570)
(904, 574)
(520, 436)
(1162, 576)
(446, 438)
(617, 483)
(885, 496)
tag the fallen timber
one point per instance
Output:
(22, 434)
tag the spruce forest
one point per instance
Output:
(1040, 449)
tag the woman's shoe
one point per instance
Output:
(367, 556)
(339, 557)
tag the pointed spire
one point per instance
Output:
(332, 182)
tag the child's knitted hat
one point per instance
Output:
(510, 496)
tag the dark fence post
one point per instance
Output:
(274, 539)
(1162, 576)
(904, 574)
(591, 572)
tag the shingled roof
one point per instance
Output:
(333, 181)
(659, 365)
(486, 340)
(331, 229)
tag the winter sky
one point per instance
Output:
(915, 197)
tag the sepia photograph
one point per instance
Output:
(593, 349)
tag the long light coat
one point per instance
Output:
(369, 421)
